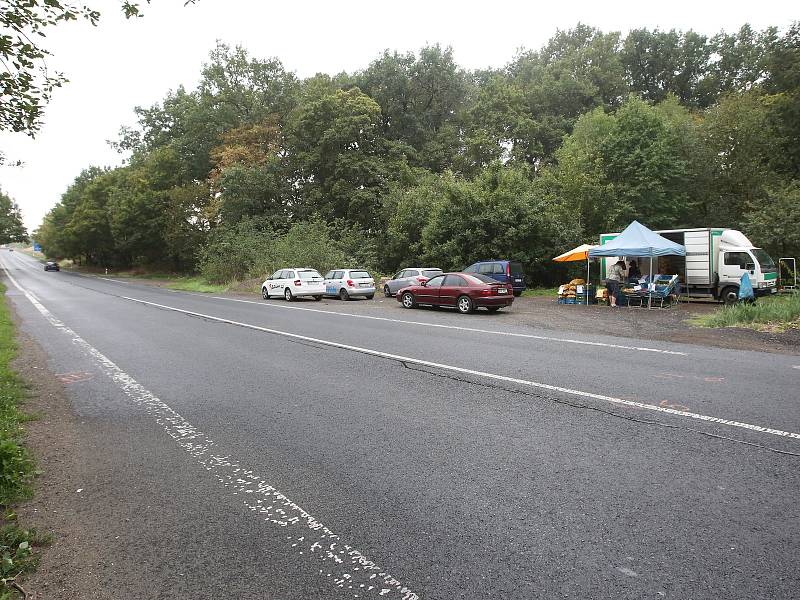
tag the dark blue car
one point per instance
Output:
(507, 271)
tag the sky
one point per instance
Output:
(121, 64)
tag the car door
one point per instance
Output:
(399, 281)
(451, 289)
(429, 293)
(273, 283)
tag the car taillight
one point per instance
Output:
(297, 282)
(508, 269)
(350, 283)
(486, 292)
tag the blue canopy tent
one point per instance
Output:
(638, 240)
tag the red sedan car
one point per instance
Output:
(464, 291)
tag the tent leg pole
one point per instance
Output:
(649, 283)
(587, 279)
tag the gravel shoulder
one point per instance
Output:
(71, 566)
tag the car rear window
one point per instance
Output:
(516, 268)
(308, 274)
(359, 275)
(431, 272)
(482, 278)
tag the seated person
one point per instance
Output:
(634, 274)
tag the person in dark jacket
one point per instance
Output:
(634, 274)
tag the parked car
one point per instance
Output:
(464, 291)
(347, 283)
(507, 271)
(51, 265)
(409, 276)
(293, 283)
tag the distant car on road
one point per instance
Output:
(409, 276)
(293, 283)
(464, 291)
(507, 271)
(347, 283)
(51, 265)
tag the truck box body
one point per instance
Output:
(715, 260)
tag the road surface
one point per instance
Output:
(263, 449)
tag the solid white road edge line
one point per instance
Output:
(525, 382)
(342, 564)
(457, 327)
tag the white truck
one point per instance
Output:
(716, 258)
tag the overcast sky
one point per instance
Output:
(121, 64)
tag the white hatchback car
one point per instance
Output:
(293, 283)
(347, 283)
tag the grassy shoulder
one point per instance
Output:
(17, 467)
(195, 284)
(541, 291)
(775, 314)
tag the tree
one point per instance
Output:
(25, 81)
(11, 227)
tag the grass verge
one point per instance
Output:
(774, 314)
(16, 466)
(196, 284)
(538, 292)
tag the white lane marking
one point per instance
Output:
(114, 280)
(458, 327)
(345, 566)
(445, 367)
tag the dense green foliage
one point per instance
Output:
(11, 227)
(414, 159)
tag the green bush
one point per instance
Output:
(252, 250)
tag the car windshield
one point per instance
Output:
(764, 259)
(308, 274)
(477, 277)
(431, 272)
(359, 275)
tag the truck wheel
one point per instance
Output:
(729, 295)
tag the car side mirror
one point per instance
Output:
(423, 283)
(750, 267)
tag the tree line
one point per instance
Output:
(416, 160)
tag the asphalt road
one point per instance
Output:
(254, 449)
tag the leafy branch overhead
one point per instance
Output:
(26, 82)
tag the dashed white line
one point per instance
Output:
(494, 376)
(458, 327)
(346, 566)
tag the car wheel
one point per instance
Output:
(386, 291)
(730, 295)
(264, 293)
(343, 295)
(369, 296)
(493, 309)
(465, 305)
(317, 298)
(517, 293)
(287, 293)
(408, 300)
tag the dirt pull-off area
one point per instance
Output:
(72, 566)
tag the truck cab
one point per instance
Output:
(738, 256)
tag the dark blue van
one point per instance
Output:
(507, 271)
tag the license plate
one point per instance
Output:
(517, 280)
(364, 284)
(502, 291)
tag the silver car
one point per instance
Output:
(407, 277)
(347, 283)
